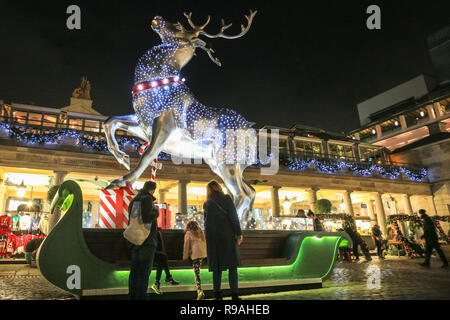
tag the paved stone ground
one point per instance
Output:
(400, 278)
(21, 282)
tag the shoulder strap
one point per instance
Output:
(220, 207)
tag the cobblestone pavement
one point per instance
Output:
(21, 282)
(400, 278)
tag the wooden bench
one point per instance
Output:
(257, 249)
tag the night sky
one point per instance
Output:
(308, 63)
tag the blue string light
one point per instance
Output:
(60, 135)
(358, 169)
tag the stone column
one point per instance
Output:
(348, 202)
(59, 177)
(431, 112)
(372, 216)
(162, 195)
(407, 204)
(182, 196)
(3, 197)
(403, 122)
(379, 131)
(439, 112)
(275, 201)
(380, 212)
(431, 206)
(312, 199)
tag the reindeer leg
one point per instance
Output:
(162, 128)
(127, 123)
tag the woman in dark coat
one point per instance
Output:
(223, 235)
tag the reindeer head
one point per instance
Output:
(176, 33)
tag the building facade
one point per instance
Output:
(41, 147)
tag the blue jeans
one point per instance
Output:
(141, 267)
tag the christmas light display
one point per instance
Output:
(169, 118)
(357, 169)
(58, 137)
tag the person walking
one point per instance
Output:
(357, 242)
(377, 236)
(195, 250)
(431, 240)
(223, 236)
(142, 256)
(161, 261)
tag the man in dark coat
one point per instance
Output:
(377, 236)
(431, 240)
(223, 234)
(357, 241)
(142, 256)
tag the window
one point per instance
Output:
(367, 154)
(35, 118)
(49, 121)
(90, 125)
(20, 117)
(307, 148)
(283, 147)
(339, 151)
(75, 124)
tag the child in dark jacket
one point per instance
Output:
(161, 263)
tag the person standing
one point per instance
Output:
(317, 224)
(377, 236)
(431, 240)
(301, 214)
(142, 256)
(161, 261)
(357, 242)
(223, 236)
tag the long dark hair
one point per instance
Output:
(194, 227)
(212, 189)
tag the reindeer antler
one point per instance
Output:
(201, 31)
(196, 28)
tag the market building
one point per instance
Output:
(412, 122)
(43, 146)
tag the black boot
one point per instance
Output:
(218, 295)
(235, 296)
(172, 281)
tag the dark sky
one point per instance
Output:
(308, 63)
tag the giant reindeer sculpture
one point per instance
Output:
(171, 120)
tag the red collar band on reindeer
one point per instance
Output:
(147, 85)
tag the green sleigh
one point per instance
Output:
(66, 261)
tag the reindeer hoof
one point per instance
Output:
(117, 184)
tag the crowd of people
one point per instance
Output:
(219, 243)
(430, 236)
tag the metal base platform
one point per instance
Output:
(190, 292)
